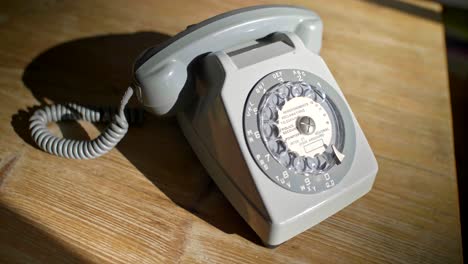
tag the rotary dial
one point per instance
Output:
(295, 131)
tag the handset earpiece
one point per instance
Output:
(160, 89)
(161, 75)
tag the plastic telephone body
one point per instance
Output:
(215, 121)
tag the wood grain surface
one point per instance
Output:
(151, 201)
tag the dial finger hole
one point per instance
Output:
(276, 147)
(267, 113)
(283, 91)
(296, 90)
(273, 146)
(311, 164)
(274, 101)
(267, 130)
(299, 163)
(285, 159)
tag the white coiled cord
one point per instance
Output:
(79, 149)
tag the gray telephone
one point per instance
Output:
(262, 112)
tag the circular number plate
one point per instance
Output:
(299, 131)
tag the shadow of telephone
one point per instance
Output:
(260, 109)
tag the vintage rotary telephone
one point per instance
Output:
(261, 110)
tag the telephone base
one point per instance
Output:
(272, 234)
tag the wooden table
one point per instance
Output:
(150, 200)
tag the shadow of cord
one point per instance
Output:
(95, 71)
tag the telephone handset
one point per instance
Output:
(260, 109)
(163, 71)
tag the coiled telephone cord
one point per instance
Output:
(81, 149)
